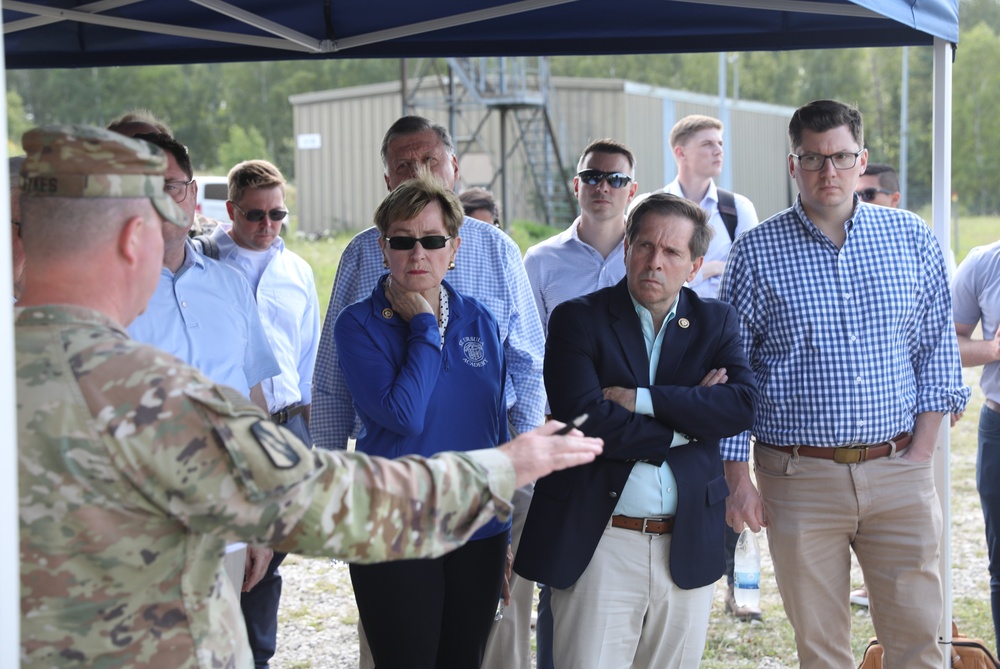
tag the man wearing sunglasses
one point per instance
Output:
(488, 267)
(846, 320)
(285, 289)
(879, 185)
(587, 256)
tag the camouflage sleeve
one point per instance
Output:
(342, 505)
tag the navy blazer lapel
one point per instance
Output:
(625, 324)
(676, 339)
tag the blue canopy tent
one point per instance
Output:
(86, 33)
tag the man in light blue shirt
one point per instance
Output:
(631, 545)
(590, 253)
(587, 256)
(202, 311)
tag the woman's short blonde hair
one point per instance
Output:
(411, 197)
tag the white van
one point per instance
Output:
(212, 195)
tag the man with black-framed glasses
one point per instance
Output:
(845, 316)
(285, 289)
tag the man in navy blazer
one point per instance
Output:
(632, 544)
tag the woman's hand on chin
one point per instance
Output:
(406, 303)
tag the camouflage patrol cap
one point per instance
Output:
(84, 161)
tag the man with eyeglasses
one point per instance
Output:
(879, 185)
(202, 311)
(587, 256)
(488, 267)
(285, 289)
(846, 319)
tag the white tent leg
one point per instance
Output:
(941, 215)
(10, 579)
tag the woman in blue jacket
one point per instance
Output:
(426, 370)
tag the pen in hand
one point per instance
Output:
(569, 427)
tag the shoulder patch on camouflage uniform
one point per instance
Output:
(278, 449)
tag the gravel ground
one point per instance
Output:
(318, 617)
(318, 628)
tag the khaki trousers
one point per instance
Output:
(509, 644)
(625, 610)
(887, 510)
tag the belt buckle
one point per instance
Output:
(645, 523)
(850, 456)
(281, 417)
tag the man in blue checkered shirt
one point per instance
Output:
(846, 320)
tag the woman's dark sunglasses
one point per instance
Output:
(429, 243)
(614, 179)
(257, 215)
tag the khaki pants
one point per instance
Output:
(625, 610)
(887, 511)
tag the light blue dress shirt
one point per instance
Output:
(564, 266)
(651, 490)
(206, 316)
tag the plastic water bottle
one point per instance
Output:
(746, 570)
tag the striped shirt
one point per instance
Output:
(850, 344)
(488, 267)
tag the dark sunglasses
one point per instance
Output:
(614, 179)
(430, 242)
(257, 215)
(869, 194)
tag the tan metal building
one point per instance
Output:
(338, 133)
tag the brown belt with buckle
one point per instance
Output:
(849, 455)
(284, 415)
(653, 525)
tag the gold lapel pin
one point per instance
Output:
(387, 313)
(683, 323)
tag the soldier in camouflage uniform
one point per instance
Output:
(135, 470)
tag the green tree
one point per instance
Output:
(18, 122)
(976, 125)
(242, 144)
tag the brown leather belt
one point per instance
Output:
(993, 405)
(849, 455)
(284, 415)
(653, 525)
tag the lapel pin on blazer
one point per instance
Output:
(683, 323)
(387, 313)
